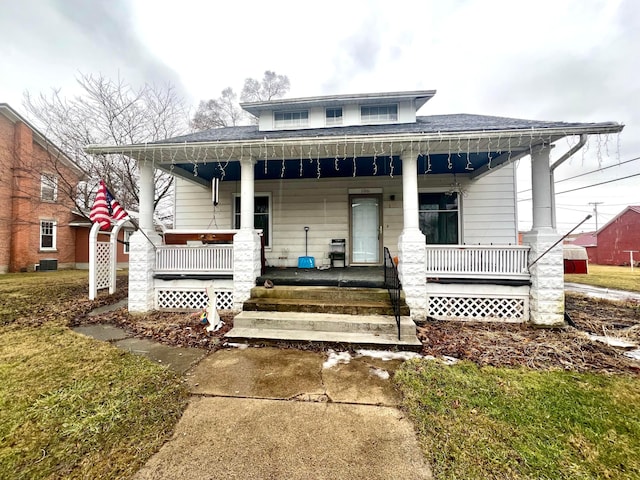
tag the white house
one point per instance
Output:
(439, 192)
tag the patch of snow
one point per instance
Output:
(449, 360)
(612, 341)
(336, 358)
(634, 354)
(385, 355)
(383, 374)
(241, 346)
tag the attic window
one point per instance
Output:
(333, 116)
(291, 119)
(379, 113)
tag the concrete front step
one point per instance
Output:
(319, 322)
(259, 334)
(322, 306)
(344, 294)
(334, 300)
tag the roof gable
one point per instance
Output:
(38, 137)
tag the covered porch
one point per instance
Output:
(396, 169)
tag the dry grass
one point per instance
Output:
(70, 406)
(606, 276)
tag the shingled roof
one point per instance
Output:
(432, 124)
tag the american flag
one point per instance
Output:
(105, 208)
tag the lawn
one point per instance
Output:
(70, 406)
(620, 278)
(506, 423)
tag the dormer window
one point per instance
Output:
(333, 116)
(379, 113)
(291, 119)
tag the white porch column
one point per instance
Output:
(246, 243)
(142, 252)
(546, 297)
(411, 244)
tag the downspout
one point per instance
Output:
(556, 164)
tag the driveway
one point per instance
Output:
(604, 293)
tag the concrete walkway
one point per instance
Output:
(266, 413)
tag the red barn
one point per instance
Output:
(617, 237)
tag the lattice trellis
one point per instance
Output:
(477, 308)
(194, 299)
(103, 263)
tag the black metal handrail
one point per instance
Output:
(392, 284)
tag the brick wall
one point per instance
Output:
(6, 181)
(23, 161)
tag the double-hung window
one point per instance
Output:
(378, 113)
(333, 116)
(48, 187)
(261, 216)
(291, 119)
(439, 217)
(127, 237)
(47, 235)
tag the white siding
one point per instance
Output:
(323, 206)
(489, 209)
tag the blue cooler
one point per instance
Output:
(306, 262)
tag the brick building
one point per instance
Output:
(37, 183)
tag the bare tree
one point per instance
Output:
(271, 86)
(224, 110)
(216, 113)
(110, 112)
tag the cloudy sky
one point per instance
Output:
(547, 60)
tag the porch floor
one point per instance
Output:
(363, 277)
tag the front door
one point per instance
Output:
(366, 229)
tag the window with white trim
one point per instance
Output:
(127, 238)
(291, 119)
(378, 113)
(261, 216)
(333, 116)
(47, 235)
(439, 217)
(48, 187)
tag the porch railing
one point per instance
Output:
(477, 261)
(181, 259)
(392, 284)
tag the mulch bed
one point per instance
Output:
(567, 348)
(496, 344)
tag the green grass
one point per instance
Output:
(621, 278)
(498, 423)
(71, 406)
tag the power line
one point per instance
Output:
(589, 173)
(589, 186)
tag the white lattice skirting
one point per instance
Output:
(171, 299)
(485, 308)
(103, 264)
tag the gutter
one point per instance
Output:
(568, 154)
(400, 139)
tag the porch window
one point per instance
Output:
(261, 216)
(291, 119)
(438, 215)
(48, 187)
(378, 113)
(333, 116)
(47, 235)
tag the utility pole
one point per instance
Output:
(595, 211)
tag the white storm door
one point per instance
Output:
(366, 232)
